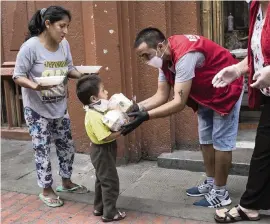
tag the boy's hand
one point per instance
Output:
(113, 136)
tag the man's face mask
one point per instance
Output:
(156, 61)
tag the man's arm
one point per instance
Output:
(185, 72)
(181, 92)
(161, 97)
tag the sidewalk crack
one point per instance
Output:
(24, 175)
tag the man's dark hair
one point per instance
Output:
(151, 36)
(88, 86)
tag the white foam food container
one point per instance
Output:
(115, 119)
(50, 80)
(88, 69)
(119, 102)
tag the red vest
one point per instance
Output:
(202, 92)
(254, 95)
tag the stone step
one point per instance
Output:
(193, 161)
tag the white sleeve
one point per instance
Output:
(24, 61)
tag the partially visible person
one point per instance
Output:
(262, 79)
(92, 94)
(46, 52)
(187, 64)
(257, 63)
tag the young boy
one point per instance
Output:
(91, 92)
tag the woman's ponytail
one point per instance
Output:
(36, 25)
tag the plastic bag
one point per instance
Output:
(115, 119)
(119, 102)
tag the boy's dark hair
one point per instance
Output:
(151, 36)
(37, 23)
(88, 86)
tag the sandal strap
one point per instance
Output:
(53, 199)
(228, 215)
(118, 216)
(122, 214)
(75, 188)
(242, 214)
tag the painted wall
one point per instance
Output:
(102, 33)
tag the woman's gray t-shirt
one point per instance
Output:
(34, 60)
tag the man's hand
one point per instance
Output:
(262, 78)
(140, 117)
(134, 108)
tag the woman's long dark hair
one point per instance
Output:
(37, 23)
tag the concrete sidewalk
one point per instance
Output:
(144, 186)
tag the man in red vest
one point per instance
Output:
(188, 63)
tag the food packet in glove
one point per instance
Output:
(115, 119)
(119, 102)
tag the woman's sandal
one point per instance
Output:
(228, 218)
(51, 202)
(97, 213)
(119, 216)
(79, 189)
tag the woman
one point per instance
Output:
(257, 194)
(46, 52)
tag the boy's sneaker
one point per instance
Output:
(214, 199)
(201, 190)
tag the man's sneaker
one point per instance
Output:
(201, 190)
(214, 199)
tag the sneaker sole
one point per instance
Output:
(196, 195)
(222, 204)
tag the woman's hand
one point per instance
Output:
(38, 87)
(27, 83)
(229, 74)
(74, 74)
(262, 78)
(226, 76)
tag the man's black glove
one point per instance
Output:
(134, 108)
(140, 117)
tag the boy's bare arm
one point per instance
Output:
(113, 136)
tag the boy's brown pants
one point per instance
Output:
(107, 182)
